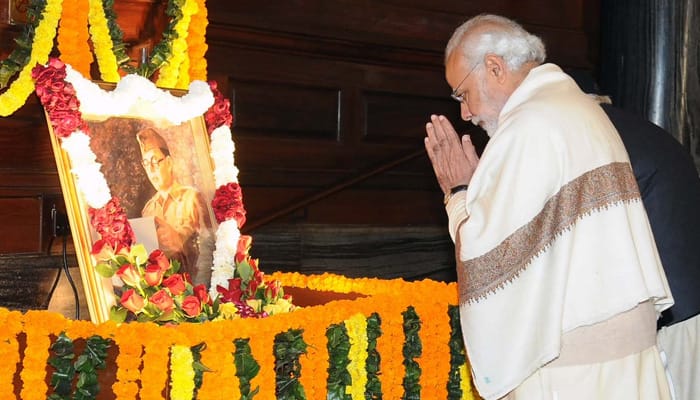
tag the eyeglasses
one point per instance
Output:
(460, 97)
(152, 163)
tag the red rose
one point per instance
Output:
(233, 293)
(272, 290)
(159, 258)
(58, 98)
(244, 242)
(202, 294)
(228, 203)
(219, 114)
(111, 223)
(191, 306)
(175, 284)
(162, 300)
(132, 301)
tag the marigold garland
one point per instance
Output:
(73, 36)
(433, 357)
(357, 334)
(182, 376)
(9, 350)
(143, 348)
(180, 53)
(103, 44)
(128, 340)
(168, 74)
(18, 92)
(156, 351)
(261, 345)
(38, 327)
(196, 42)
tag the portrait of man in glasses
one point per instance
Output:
(178, 210)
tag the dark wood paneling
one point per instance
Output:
(257, 106)
(21, 227)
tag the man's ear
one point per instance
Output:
(495, 67)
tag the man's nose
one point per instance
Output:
(465, 112)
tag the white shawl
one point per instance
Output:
(551, 234)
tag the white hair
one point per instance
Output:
(493, 34)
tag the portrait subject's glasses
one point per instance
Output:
(152, 163)
(460, 97)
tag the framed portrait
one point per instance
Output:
(159, 169)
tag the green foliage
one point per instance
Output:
(288, 347)
(338, 361)
(246, 368)
(21, 54)
(457, 355)
(412, 349)
(62, 361)
(163, 49)
(199, 368)
(85, 366)
(116, 34)
(373, 389)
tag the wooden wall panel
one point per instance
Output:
(274, 110)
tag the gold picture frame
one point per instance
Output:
(166, 192)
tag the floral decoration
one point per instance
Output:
(228, 203)
(236, 277)
(220, 113)
(153, 289)
(181, 49)
(196, 43)
(170, 73)
(143, 349)
(182, 382)
(111, 223)
(41, 33)
(107, 40)
(73, 35)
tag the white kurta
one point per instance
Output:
(552, 233)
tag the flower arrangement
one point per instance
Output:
(181, 49)
(152, 290)
(143, 292)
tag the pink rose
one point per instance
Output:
(191, 306)
(153, 275)
(129, 274)
(162, 300)
(132, 301)
(175, 284)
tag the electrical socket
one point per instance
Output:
(59, 222)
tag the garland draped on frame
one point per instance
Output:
(179, 55)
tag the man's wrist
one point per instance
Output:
(453, 191)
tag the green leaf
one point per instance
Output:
(118, 314)
(245, 271)
(105, 270)
(139, 254)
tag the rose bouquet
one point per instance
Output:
(248, 293)
(149, 287)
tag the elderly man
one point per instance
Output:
(560, 280)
